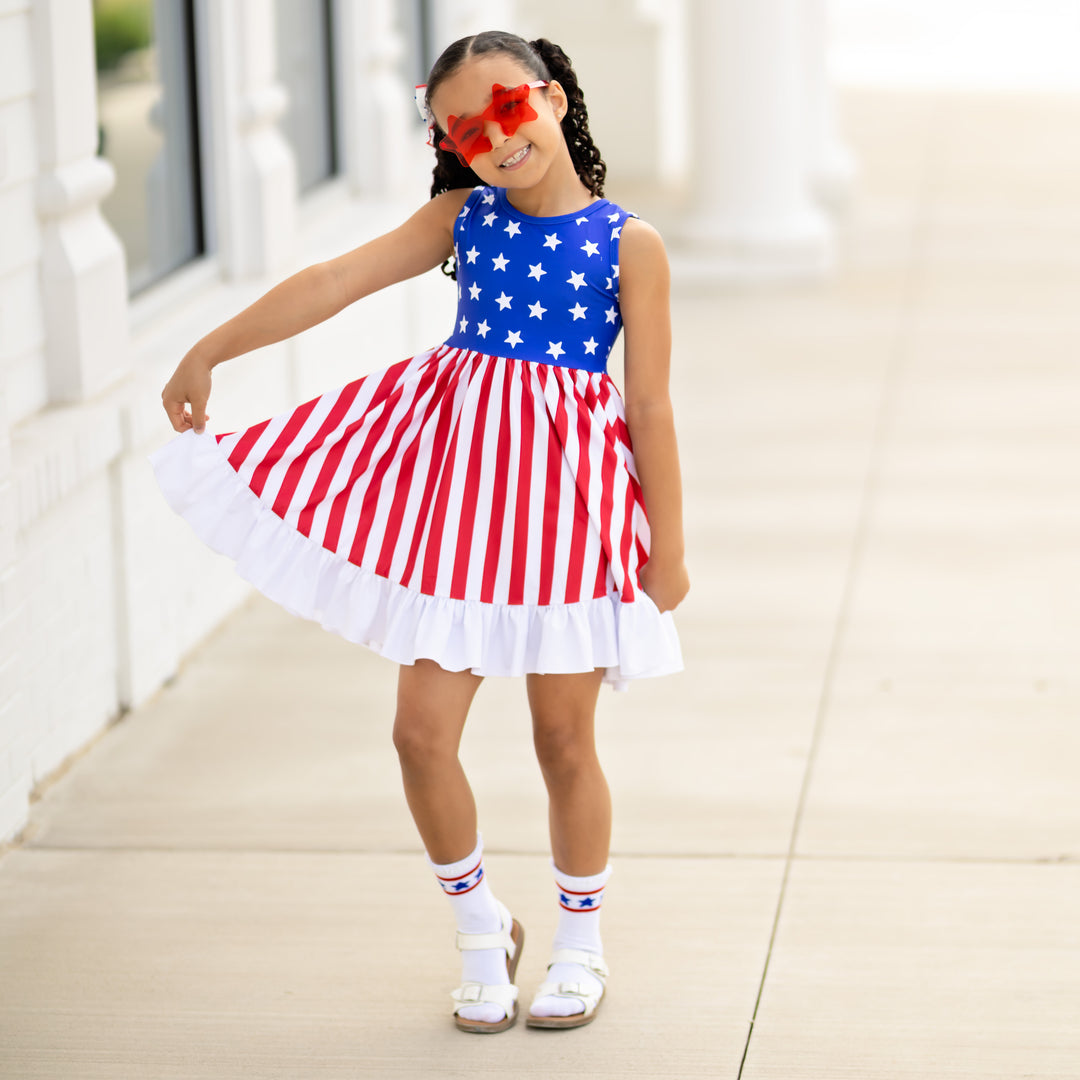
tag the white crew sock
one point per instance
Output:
(476, 913)
(580, 900)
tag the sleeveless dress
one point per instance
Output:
(475, 504)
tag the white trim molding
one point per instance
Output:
(83, 274)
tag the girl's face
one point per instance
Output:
(519, 160)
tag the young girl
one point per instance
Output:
(477, 509)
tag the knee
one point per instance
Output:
(420, 740)
(562, 748)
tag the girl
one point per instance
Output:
(477, 509)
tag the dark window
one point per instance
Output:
(148, 130)
(305, 67)
(415, 25)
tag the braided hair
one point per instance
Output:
(546, 61)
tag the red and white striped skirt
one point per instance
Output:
(480, 511)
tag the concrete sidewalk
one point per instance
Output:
(847, 839)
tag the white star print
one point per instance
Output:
(577, 280)
(513, 338)
(513, 228)
(615, 233)
(577, 311)
(581, 221)
(537, 271)
(489, 198)
(536, 311)
(590, 346)
(464, 211)
(609, 315)
(474, 292)
(615, 268)
(552, 240)
(608, 285)
(472, 253)
(483, 328)
(504, 301)
(613, 217)
(500, 261)
(555, 349)
(489, 218)
(464, 323)
(590, 248)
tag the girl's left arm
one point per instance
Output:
(644, 300)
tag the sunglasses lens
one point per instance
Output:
(511, 107)
(466, 138)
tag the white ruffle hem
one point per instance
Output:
(630, 640)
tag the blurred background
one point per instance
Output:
(840, 184)
(861, 791)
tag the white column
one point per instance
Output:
(752, 215)
(253, 167)
(831, 166)
(376, 125)
(83, 277)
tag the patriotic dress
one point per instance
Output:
(475, 504)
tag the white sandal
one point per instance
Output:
(510, 938)
(578, 991)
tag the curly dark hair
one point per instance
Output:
(546, 61)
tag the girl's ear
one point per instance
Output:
(558, 100)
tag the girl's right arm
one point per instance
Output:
(312, 296)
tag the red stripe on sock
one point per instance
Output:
(460, 876)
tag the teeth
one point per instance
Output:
(516, 158)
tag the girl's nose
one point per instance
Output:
(493, 130)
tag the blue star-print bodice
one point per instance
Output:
(544, 289)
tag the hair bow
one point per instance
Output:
(420, 97)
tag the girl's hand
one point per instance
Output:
(190, 382)
(666, 584)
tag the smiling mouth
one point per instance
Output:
(516, 159)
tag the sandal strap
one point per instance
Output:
(498, 939)
(592, 961)
(475, 993)
(577, 991)
(588, 995)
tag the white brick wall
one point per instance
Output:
(69, 665)
(103, 590)
(20, 350)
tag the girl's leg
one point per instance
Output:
(432, 706)
(579, 813)
(579, 803)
